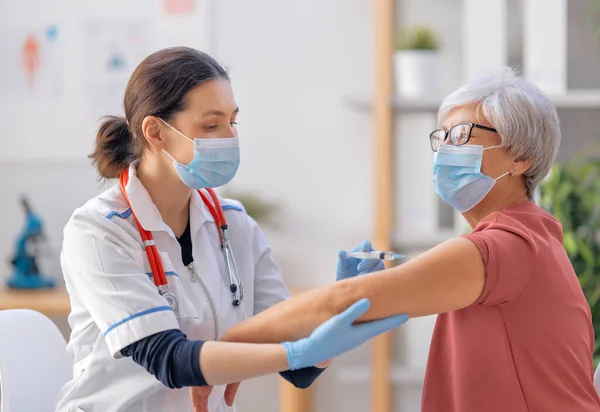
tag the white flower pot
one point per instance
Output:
(417, 73)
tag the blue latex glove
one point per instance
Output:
(350, 267)
(338, 335)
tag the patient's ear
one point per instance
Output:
(520, 166)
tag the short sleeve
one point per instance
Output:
(108, 277)
(509, 257)
(269, 288)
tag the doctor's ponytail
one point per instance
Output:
(158, 87)
(115, 147)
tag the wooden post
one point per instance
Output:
(292, 399)
(383, 219)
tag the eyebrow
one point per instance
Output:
(218, 112)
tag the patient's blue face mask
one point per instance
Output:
(215, 162)
(458, 178)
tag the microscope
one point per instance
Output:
(26, 274)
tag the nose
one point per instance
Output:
(232, 132)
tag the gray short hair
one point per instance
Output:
(523, 115)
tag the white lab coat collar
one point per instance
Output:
(146, 211)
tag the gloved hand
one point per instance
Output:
(350, 267)
(338, 335)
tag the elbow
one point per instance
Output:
(322, 304)
(302, 378)
(303, 385)
(343, 294)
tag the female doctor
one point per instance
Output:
(149, 263)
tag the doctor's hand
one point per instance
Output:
(230, 392)
(199, 397)
(350, 267)
(338, 335)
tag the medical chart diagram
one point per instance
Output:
(178, 6)
(112, 50)
(32, 62)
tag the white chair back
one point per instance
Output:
(34, 364)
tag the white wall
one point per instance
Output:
(292, 64)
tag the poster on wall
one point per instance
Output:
(32, 62)
(178, 6)
(112, 50)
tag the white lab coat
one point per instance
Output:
(114, 300)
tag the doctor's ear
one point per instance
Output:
(520, 166)
(153, 131)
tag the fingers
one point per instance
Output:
(199, 397)
(377, 327)
(355, 311)
(343, 262)
(368, 265)
(365, 246)
(230, 393)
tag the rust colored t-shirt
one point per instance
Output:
(526, 344)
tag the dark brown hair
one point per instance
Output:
(157, 87)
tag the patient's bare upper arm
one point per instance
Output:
(448, 277)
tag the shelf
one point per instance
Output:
(398, 375)
(402, 242)
(573, 99)
(50, 302)
(577, 99)
(404, 105)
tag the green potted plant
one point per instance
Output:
(572, 194)
(417, 62)
(595, 19)
(262, 211)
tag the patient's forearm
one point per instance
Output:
(448, 277)
(286, 321)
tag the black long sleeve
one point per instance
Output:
(174, 361)
(302, 378)
(170, 357)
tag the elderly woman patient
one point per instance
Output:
(514, 332)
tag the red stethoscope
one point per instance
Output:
(158, 272)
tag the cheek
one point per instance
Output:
(495, 164)
(183, 152)
(187, 153)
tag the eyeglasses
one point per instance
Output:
(459, 134)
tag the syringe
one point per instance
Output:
(374, 254)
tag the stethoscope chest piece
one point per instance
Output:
(235, 283)
(169, 296)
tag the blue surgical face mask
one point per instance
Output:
(458, 178)
(215, 162)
